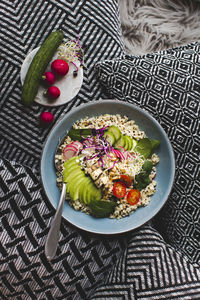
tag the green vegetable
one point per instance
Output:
(116, 131)
(142, 179)
(102, 208)
(120, 143)
(146, 147)
(154, 144)
(79, 186)
(79, 134)
(38, 66)
(109, 136)
(147, 166)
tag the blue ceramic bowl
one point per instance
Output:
(164, 177)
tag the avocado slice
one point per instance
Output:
(92, 193)
(68, 162)
(74, 186)
(75, 170)
(83, 187)
(70, 169)
(86, 192)
(73, 174)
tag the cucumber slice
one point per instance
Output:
(120, 143)
(116, 131)
(134, 143)
(129, 140)
(109, 136)
(126, 145)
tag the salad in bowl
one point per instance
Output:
(109, 165)
(116, 153)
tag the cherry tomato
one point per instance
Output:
(126, 180)
(133, 197)
(119, 189)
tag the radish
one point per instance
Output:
(60, 67)
(68, 154)
(119, 153)
(78, 145)
(74, 146)
(48, 77)
(68, 147)
(46, 118)
(72, 149)
(53, 92)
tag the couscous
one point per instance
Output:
(109, 165)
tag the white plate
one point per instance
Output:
(69, 86)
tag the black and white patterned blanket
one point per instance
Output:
(136, 265)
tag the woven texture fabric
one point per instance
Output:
(167, 85)
(138, 265)
(82, 260)
(149, 269)
(24, 26)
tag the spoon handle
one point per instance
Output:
(53, 235)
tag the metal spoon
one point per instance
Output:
(53, 235)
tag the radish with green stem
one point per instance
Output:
(48, 77)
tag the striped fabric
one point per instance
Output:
(137, 265)
(24, 26)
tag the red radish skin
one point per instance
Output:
(74, 146)
(78, 145)
(48, 77)
(119, 154)
(53, 92)
(46, 118)
(72, 149)
(60, 67)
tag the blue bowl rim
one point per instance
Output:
(102, 101)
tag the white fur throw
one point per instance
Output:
(153, 25)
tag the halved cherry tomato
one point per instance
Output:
(133, 197)
(119, 189)
(126, 180)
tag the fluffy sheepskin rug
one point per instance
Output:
(154, 25)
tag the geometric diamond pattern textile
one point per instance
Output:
(167, 85)
(82, 259)
(137, 265)
(24, 26)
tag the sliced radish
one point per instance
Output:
(68, 154)
(78, 145)
(119, 154)
(71, 147)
